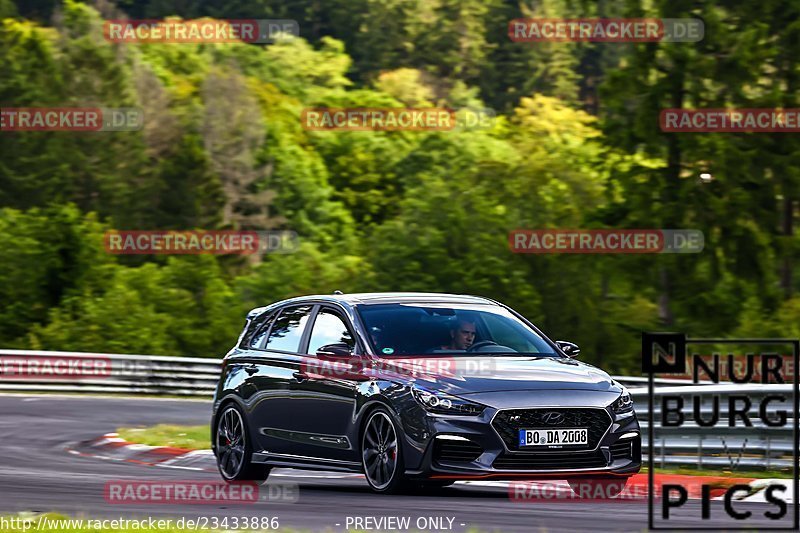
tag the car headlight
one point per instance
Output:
(445, 404)
(623, 404)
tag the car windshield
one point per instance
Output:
(428, 329)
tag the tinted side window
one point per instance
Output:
(288, 329)
(329, 329)
(259, 338)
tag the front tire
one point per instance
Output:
(234, 449)
(381, 453)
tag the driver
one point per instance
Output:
(462, 335)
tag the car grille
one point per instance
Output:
(550, 461)
(508, 422)
(458, 451)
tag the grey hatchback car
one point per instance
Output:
(416, 389)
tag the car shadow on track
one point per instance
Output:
(465, 491)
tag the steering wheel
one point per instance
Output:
(479, 345)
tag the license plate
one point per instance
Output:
(553, 437)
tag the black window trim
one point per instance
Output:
(280, 310)
(265, 319)
(312, 317)
(338, 314)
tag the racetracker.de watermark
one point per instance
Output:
(222, 242)
(48, 522)
(606, 30)
(396, 119)
(26, 366)
(606, 241)
(605, 490)
(198, 31)
(168, 492)
(762, 120)
(71, 119)
(424, 367)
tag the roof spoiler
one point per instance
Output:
(250, 316)
(255, 312)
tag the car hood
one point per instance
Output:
(465, 376)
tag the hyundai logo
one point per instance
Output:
(553, 418)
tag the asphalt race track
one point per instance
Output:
(38, 474)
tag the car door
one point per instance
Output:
(275, 364)
(324, 400)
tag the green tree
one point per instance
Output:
(46, 255)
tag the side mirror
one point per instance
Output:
(570, 349)
(339, 350)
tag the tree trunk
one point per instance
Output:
(670, 195)
(788, 233)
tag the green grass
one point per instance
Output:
(757, 474)
(189, 437)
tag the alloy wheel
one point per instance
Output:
(230, 443)
(379, 450)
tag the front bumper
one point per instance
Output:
(471, 447)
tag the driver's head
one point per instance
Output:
(462, 334)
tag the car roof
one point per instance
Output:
(373, 298)
(370, 298)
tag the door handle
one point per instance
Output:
(300, 376)
(251, 369)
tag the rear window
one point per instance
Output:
(258, 335)
(288, 329)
